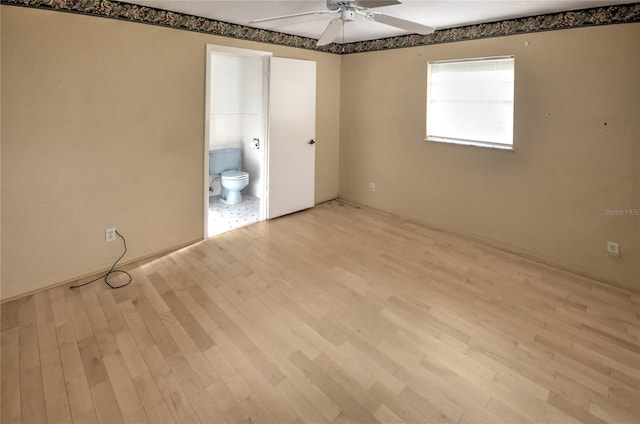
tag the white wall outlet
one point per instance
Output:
(372, 186)
(613, 249)
(110, 234)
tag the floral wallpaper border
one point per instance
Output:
(617, 14)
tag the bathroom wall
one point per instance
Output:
(103, 126)
(226, 101)
(577, 148)
(236, 108)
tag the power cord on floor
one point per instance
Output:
(111, 270)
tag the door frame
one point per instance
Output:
(264, 147)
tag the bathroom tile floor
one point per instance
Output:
(223, 217)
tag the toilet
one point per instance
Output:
(226, 163)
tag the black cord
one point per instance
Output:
(111, 270)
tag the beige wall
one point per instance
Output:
(547, 198)
(103, 125)
(103, 121)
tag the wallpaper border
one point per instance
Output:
(617, 14)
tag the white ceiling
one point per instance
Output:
(436, 13)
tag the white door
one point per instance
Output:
(292, 127)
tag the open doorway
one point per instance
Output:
(235, 138)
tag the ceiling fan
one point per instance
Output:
(347, 11)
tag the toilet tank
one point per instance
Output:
(224, 160)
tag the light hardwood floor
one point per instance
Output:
(337, 314)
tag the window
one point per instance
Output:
(471, 102)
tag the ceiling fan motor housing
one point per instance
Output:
(348, 15)
(339, 4)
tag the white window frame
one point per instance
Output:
(448, 135)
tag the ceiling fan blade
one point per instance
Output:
(295, 15)
(410, 26)
(370, 4)
(330, 33)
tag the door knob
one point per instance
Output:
(311, 142)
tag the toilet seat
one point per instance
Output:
(234, 175)
(233, 182)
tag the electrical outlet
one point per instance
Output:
(372, 186)
(110, 234)
(613, 249)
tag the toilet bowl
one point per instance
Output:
(226, 163)
(232, 183)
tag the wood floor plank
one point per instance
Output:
(124, 390)
(92, 362)
(228, 374)
(313, 393)
(78, 314)
(431, 406)
(171, 391)
(130, 354)
(332, 389)
(72, 365)
(80, 400)
(228, 405)
(28, 334)
(452, 391)
(106, 404)
(151, 398)
(256, 410)
(276, 406)
(363, 376)
(101, 330)
(10, 381)
(336, 372)
(53, 384)
(112, 313)
(137, 326)
(406, 412)
(222, 311)
(179, 338)
(193, 419)
(9, 314)
(507, 413)
(147, 308)
(385, 415)
(336, 314)
(193, 329)
(197, 394)
(303, 407)
(573, 410)
(237, 373)
(55, 399)
(47, 340)
(177, 381)
(59, 306)
(32, 407)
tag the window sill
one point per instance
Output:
(470, 143)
